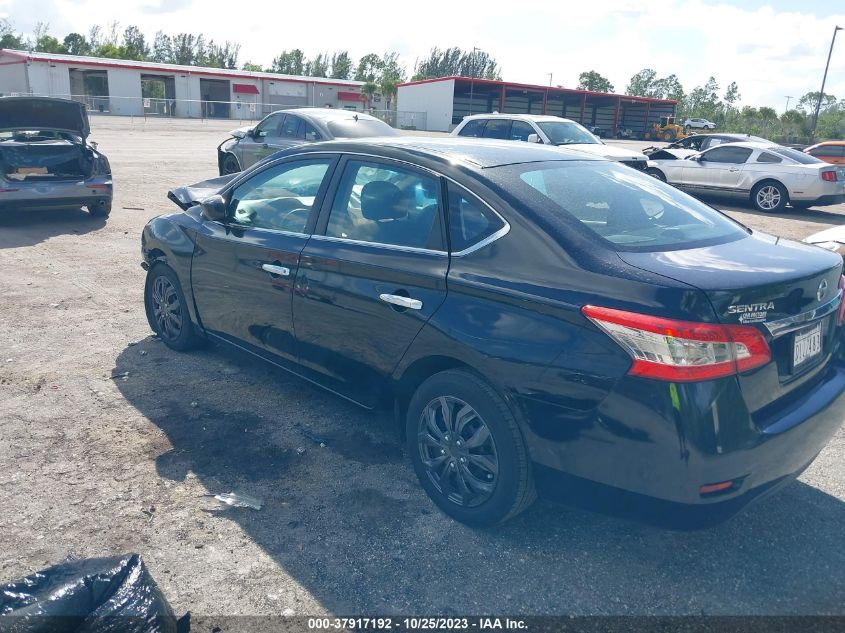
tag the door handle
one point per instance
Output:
(734, 169)
(402, 302)
(276, 270)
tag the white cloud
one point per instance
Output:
(769, 54)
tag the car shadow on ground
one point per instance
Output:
(814, 215)
(25, 228)
(349, 523)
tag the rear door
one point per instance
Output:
(243, 270)
(371, 276)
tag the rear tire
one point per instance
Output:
(98, 210)
(167, 309)
(769, 197)
(467, 450)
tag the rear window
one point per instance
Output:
(350, 128)
(794, 154)
(629, 210)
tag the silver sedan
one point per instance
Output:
(769, 176)
(287, 128)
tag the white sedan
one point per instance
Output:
(769, 176)
(700, 124)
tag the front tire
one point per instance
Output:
(167, 309)
(769, 197)
(467, 450)
(656, 173)
(230, 165)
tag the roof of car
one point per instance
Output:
(524, 117)
(329, 114)
(481, 153)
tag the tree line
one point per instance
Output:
(705, 101)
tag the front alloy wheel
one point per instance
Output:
(458, 451)
(167, 311)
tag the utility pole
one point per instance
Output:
(788, 97)
(824, 79)
(550, 79)
(472, 77)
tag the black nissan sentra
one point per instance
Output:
(526, 310)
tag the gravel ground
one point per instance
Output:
(110, 443)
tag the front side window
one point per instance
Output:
(470, 220)
(384, 204)
(520, 131)
(733, 155)
(279, 198)
(629, 210)
(292, 127)
(497, 128)
(269, 126)
(473, 128)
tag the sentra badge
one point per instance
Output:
(752, 312)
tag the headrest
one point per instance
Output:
(381, 200)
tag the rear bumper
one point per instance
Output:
(54, 194)
(665, 441)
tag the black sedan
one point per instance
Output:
(524, 309)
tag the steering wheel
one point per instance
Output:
(290, 215)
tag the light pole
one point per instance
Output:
(550, 79)
(824, 79)
(788, 97)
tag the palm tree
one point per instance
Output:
(369, 89)
(388, 91)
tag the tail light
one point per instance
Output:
(829, 176)
(681, 351)
(840, 315)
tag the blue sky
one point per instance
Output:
(771, 48)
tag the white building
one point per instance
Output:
(127, 87)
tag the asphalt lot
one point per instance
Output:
(109, 443)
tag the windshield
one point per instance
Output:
(351, 128)
(567, 133)
(629, 210)
(794, 154)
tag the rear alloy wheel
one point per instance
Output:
(167, 311)
(769, 197)
(467, 450)
(230, 165)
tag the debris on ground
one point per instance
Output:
(237, 500)
(322, 441)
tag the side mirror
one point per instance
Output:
(214, 208)
(695, 157)
(534, 138)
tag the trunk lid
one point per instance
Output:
(785, 289)
(189, 195)
(44, 113)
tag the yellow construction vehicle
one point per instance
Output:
(667, 130)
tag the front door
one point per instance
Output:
(263, 140)
(243, 270)
(371, 276)
(717, 170)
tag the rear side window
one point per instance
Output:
(766, 157)
(497, 128)
(473, 128)
(292, 127)
(470, 220)
(384, 204)
(734, 155)
(311, 133)
(828, 150)
(629, 210)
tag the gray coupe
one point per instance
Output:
(286, 128)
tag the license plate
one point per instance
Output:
(808, 345)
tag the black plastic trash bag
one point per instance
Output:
(95, 595)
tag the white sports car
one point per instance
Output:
(769, 176)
